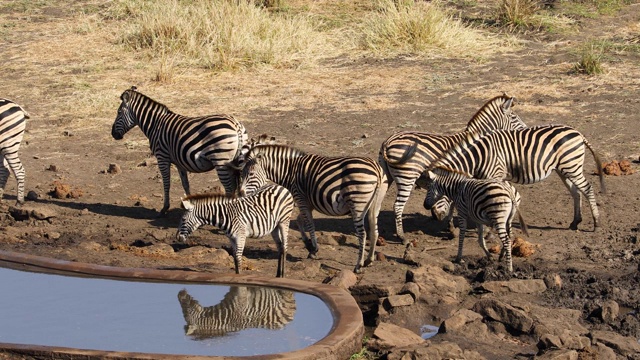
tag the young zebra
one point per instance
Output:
(267, 210)
(334, 186)
(481, 201)
(497, 113)
(193, 144)
(12, 125)
(243, 307)
(529, 156)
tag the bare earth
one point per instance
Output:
(345, 106)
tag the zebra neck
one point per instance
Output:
(152, 118)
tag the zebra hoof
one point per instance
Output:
(357, 270)
(312, 255)
(573, 226)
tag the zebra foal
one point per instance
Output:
(481, 201)
(334, 186)
(497, 113)
(529, 156)
(267, 210)
(12, 125)
(192, 144)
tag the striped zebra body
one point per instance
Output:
(495, 114)
(12, 125)
(529, 156)
(266, 211)
(334, 186)
(481, 201)
(243, 307)
(192, 144)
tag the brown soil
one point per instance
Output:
(347, 106)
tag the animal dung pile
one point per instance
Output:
(519, 248)
(63, 191)
(617, 168)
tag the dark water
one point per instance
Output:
(166, 318)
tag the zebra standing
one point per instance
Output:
(12, 125)
(496, 113)
(529, 156)
(481, 201)
(193, 144)
(243, 307)
(267, 210)
(334, 186)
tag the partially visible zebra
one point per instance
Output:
(267, 210)
(193, 144)
(529, 156)
(12, 125)
(481, 201)
(496, 113)
(243, 307)
(334, 186)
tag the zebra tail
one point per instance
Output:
(408, 154)
(598, 163)
(523, 224)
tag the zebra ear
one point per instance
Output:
(186, 204)
(506, 106)
(134, 88)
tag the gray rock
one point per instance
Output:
(388, 336)
(515, 286)
(622, 345)
(504, 313)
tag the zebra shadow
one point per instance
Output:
(243, 307)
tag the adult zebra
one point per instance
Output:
(529, 156)
(267, 210)
(496, 113)
(243, 307)
(334, 186)
(12, 125)
(193, 144)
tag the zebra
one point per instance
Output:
(497, 113)
(243, 307)
(334, 186)
(193, 144)
(529, 156)
(267, 210)
(12, 125)
(481, 201)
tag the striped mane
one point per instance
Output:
(274, 149)
(218, 193)
(504, 97)
(134, 94)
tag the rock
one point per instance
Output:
(433, 280)
(458, 320)
(91, 246)
(149, 162)
(411, 288)
(390, 336)
(603, 352)
(52, 168)
(555, 320)
(549, 341)
(559, 355)
(42, 213)
(433, 351)
(622, 345)
(326, 239)
(567, 340)
(510, 316)
(515, 286)
(195, 251)
(344, 279)
(114, 169)
(400, 300)
(609, 311)
(19, 214)
(553, 281)
(380, 257)
(32, 195)
(53, 235)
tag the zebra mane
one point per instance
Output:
(504, 97)
(216, 193)
(453, 171)
(260, 149)
(133, 93)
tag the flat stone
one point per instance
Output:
(433, 351)
(344, 279)
(559, 355)
(433, 280)
(504, 313)
(458, 320)
(400, 300)
(515, 286)
(622, 345)
(390, 336)
(411, 288)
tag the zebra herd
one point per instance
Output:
(262, 180)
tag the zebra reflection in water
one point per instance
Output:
(242, 308)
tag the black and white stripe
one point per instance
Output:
(12, 125)
(243, 307)
(266, 211)
(481, 201)
(529, 156)
(192, 144)
(497, 113)
(334, 186)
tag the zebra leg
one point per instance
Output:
(305, 222)
(506, 245)
(280, 236)
(184, 178)
(372, 217)
(581, 183)
(4, 175)
(237, 245)
(358, 220)
(404, 190)
(164, 165)
(228, 178)
(577, 203)
(463, 230)
(482, 242)
(18, 172)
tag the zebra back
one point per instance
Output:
(243, 307)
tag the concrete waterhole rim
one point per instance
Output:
(343, 340)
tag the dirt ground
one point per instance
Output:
(347, 106)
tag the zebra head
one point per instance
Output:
(253, 176)
(496, 114)
(189, 222)
(125, 119)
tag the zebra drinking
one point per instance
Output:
(496, 113)
(481, 201)
(267, 210)
(334, 186)
(193, 144)
(12, 125)
(529, 156)
(243, 307)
